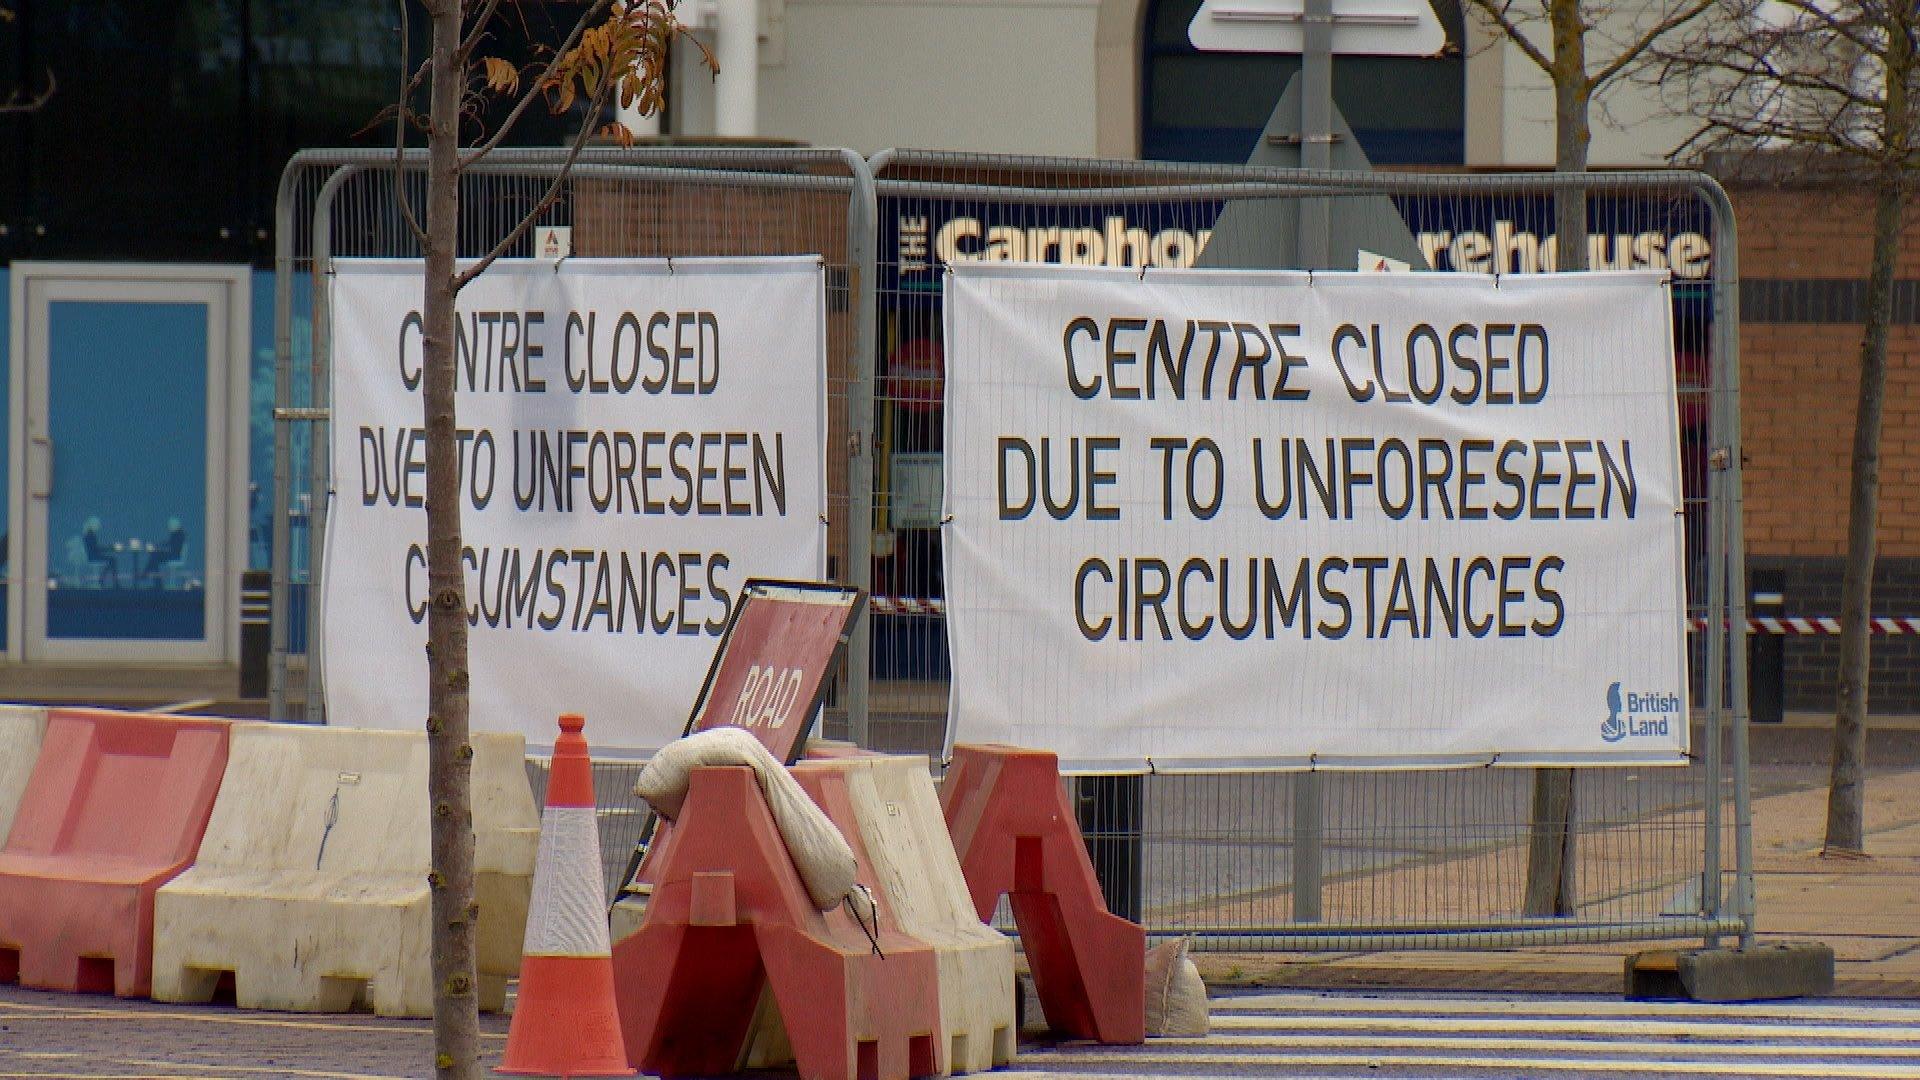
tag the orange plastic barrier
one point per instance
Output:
(1015, 835)
(114, 809)
(729, 917)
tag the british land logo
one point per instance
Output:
(1635, 715)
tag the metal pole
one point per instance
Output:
(863, 217)
(1723, 422)
(282, 440)
(1316, 126)
(1726, 376)
(1316, 153)
(320, 397)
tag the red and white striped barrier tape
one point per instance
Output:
(1759, 624)
(1794, 626)
(906, 605)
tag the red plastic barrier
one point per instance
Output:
(729, 916)
(114, 809)
(1016, 835)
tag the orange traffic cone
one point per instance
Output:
(566, 1022)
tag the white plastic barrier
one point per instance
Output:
(311, 885)
(21, 727)
(918, 885)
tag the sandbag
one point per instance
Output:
(1176, 998)
(821, 855)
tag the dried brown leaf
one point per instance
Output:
(502, 77)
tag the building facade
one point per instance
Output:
(136, 218)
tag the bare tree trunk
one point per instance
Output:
(1572, 95)
(1846, 793)
(1846, 790)
(1550, 837)
(456, 1015)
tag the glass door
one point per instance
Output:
(131, 474)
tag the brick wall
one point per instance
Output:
(1804, 258)
(1799, 365)
(1812, 587)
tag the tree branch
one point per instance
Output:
(474, 37)
(1813, 9)
(1776, 72)
(553, 189)
(1498, 13)
(1678, 18)
(400, 112)
(587, 18)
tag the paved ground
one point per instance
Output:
(49, 1036)
(1508, 1012)
(1351, 1034)
(1867, 909)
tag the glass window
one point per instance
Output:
(180, 115)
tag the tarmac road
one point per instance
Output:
(57, 1036)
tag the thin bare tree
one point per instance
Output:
(613, 52)
(1826, 91)
(1582, 46)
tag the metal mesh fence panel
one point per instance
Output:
(1282, 860)
(660, 203)
(636, 203)
(1408, 858)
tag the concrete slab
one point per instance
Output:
(1762, 973)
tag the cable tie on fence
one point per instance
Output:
(947, 519)
(1143, 271)
(669, 266)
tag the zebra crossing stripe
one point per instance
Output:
(1208, 1064)
(1558, 1026)
(1790, 625)
(1653, 1010)
(1707, 1046)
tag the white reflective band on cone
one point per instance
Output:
(568, 915)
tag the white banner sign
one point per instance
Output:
(1213, 519)
(636, 440)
